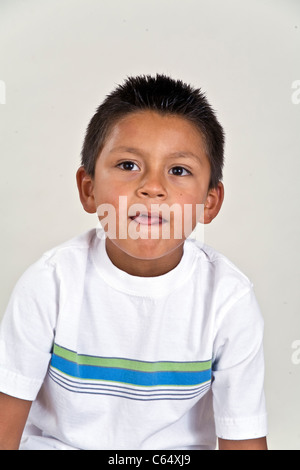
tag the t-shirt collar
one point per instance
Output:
(157, 286)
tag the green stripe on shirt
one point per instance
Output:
(130, 364)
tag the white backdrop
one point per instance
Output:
(58, 59)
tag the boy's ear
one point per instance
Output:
(213, 203)
(85, 186)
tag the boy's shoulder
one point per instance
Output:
(78, 245)
(65, 259)
(218, 268)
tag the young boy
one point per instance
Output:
(136, 336)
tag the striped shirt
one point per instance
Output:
(114, 361)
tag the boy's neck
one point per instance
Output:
(143, 267)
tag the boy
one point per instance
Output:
(133, 336)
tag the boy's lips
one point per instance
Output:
(148, 219)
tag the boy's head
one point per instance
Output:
(164, 96)
(151, 168)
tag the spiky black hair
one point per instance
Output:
(164, 95)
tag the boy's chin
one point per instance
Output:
(146, 250)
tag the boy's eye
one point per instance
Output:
(179, 171)
(128, 166)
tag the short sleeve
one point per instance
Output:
(27, 332)
(238, 372)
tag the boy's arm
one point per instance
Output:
(13, 416)
(249, 444)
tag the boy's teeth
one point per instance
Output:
(147, 219)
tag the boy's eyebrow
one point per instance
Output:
(123, 148)
(135, 151)
(186, 155)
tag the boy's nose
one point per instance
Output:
(152, 186)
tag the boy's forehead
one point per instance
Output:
(140, 130)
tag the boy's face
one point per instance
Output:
(156, 168)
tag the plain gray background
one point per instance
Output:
(59, 58)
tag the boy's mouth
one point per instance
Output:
(148, 219)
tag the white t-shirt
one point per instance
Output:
(115, 361)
